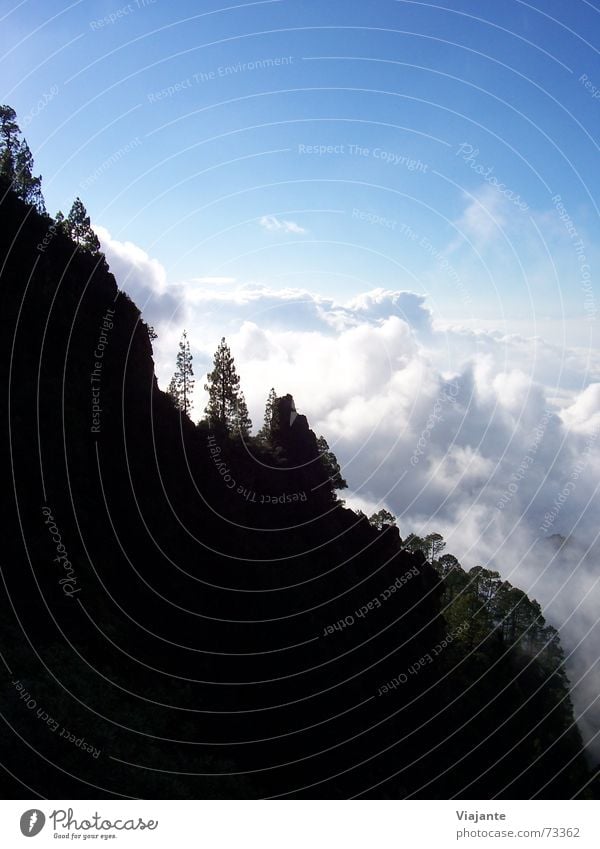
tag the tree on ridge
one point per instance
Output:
(181, 387)
(226, 408)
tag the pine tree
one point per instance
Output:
(243, 420)
(16, 161)
(61, 223)
(381, 518)
(181, 387)
(28, 187)
(226, 408)
(434, 546)
(331, 464)
(446, 564)
(9, 141)
(173, 392)
(415, 543)
(79, 228)
(270, 414)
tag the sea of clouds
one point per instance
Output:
(491, 439)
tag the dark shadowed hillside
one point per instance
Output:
(187, 613)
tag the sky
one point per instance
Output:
(390, 210)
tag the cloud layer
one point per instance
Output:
(491, 439)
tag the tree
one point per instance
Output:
(79, 228)
(173, 392)
(414, 543)
(28, 187)
(16, 161)
(381, 518)
(269, 423)
(331, 464)
(9, 142)
(226, 408)
(181, 387)
(243, 420)
(434, 545)
(446, 564)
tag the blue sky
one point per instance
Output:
(196, 121)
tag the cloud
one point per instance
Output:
(490, 438)
(127, 258)
(381, 304)
(472, 434)
(214, 281)
(299, 309)
(142, 277)
(584, 414)
(484, 216)
(280, 225)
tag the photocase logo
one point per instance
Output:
(32, 822)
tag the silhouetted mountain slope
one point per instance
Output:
(202, 610)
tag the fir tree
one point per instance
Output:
(181, 387)
(79, 228)
(226, 408)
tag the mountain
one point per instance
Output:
(189, 614)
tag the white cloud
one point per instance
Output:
(141, 276)
(484, 216)
(127, 260)
(377, 386)
(584, 414)
(213, 281)
(280, 225)
(472, 433)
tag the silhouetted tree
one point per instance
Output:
(181, 387)
(9, 141)
(28, 187)
(16, 161)
(226, 408)
(415, 543)
(270, 412)
(446, 563)
(434, 545)
(78, 227)
(381, 518)
(243, 420)
(173, 392)
(331, 464)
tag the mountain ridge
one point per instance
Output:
(212, 643)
